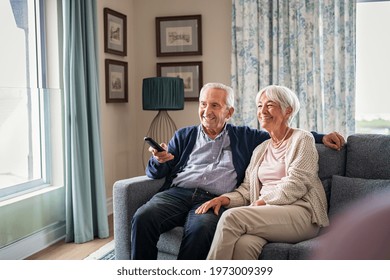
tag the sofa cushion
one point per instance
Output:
(303, 250)
(359, 233)
(170, 241)
(368, 156)
(330, 162)
(275, 251)
(346, 190)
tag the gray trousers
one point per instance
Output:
(243, 231)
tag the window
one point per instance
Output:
(25, 103)
(372, 62)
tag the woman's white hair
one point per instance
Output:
(227, 89)
(284, 96)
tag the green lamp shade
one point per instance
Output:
(163, 93)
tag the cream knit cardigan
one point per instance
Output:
(301, 182)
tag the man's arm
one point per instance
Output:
(157, 167)
(167, 163)
(333, 140)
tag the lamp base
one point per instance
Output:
(161, 129)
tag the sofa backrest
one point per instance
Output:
(368, 156)
(331, 162)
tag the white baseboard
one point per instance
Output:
(36, 242)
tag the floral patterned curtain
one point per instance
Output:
(306, 45)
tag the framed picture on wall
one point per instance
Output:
(116, 81)
(190, 72)
(179, 35)
(115, 32)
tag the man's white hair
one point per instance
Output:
(227, 89)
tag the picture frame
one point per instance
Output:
(191, 73)
(116, 73)
(179, 35)
(115, 32)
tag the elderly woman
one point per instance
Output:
(282, 197)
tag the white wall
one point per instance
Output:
(117, 119)
(124, 125)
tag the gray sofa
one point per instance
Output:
(360, 169)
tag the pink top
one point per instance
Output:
(273, 167)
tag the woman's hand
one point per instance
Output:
(258, 202)
(215, 203)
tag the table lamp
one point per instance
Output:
(162, 94)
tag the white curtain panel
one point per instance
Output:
(308, 46)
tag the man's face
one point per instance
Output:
(213, 111)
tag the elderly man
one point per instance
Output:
(200, 163)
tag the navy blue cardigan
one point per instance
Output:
(243, 140)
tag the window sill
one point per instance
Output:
(31, 193)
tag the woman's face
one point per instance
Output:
(270, 114)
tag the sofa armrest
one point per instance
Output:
(128, 196)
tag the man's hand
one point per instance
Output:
(161, 157)
(334, 141)
(215, 203)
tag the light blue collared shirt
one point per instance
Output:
(210, 165)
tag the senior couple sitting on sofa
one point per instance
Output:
(360, 169)
(337, 171)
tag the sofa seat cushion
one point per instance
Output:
(346, 190)
(170, 241)
(304, 250)
(275, 251)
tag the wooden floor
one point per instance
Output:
(72, 251)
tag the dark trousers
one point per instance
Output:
(166, 210)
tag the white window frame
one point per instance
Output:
(43, 104)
